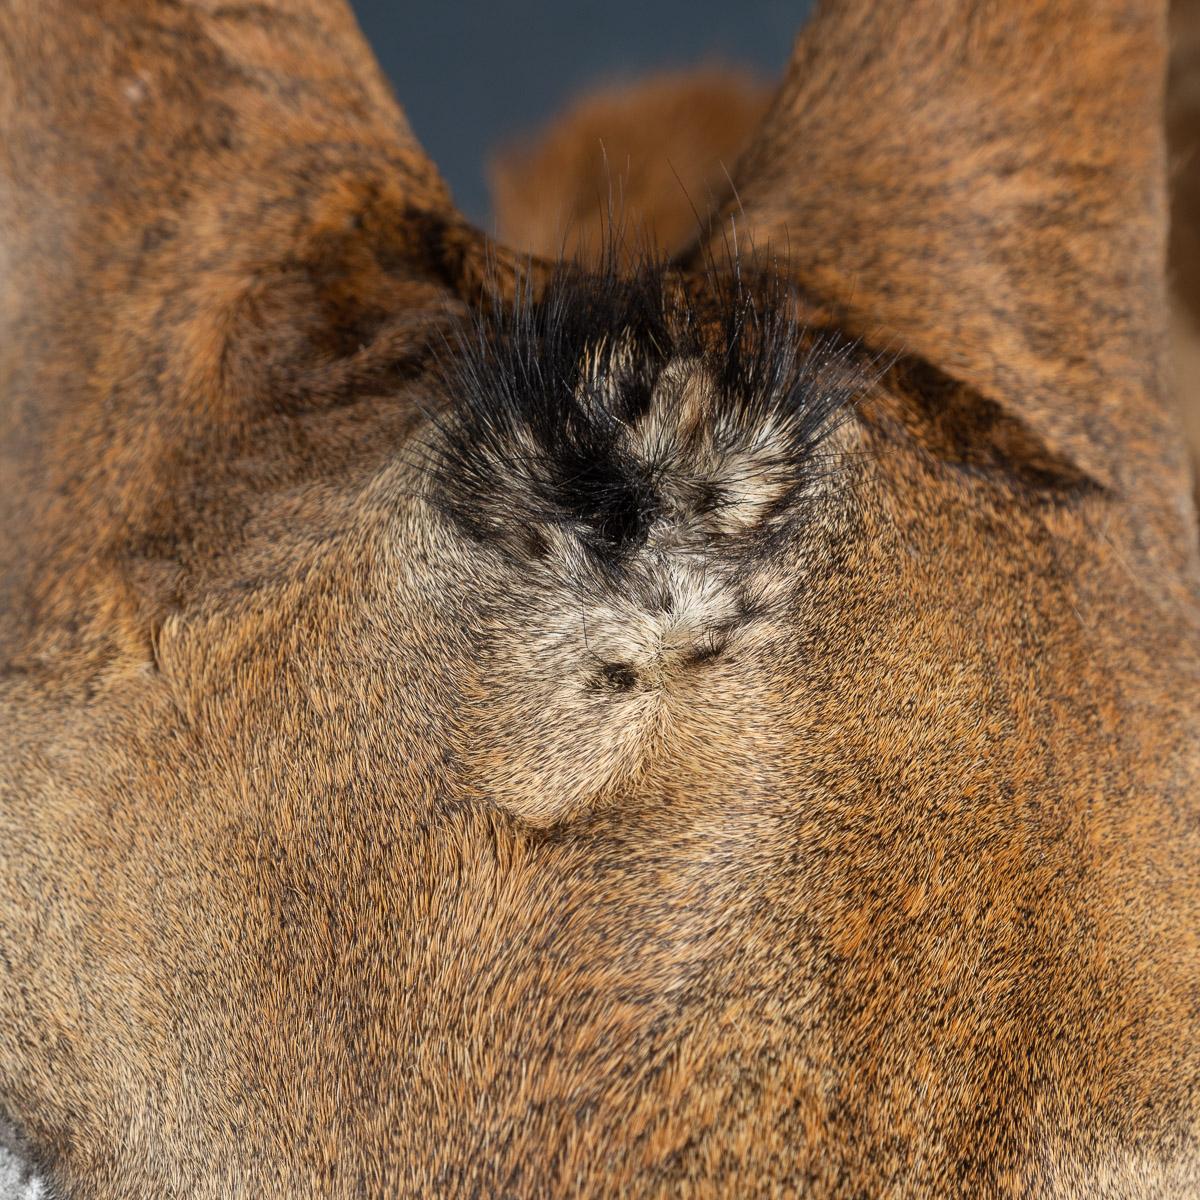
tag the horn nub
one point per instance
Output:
(629, 455)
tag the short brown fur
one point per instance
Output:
(893, 894)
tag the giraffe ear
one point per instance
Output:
(120, 116)
(982, 186)
(212, 216)
(223, 151)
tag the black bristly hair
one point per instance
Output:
(542, 396)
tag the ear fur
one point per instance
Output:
(211, 216)
(652, 157)
(982, 185)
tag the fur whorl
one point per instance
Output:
(639, 458)
(615, 409)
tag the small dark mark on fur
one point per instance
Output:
(708, 649)
(618, 677)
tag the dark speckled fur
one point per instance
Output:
(542, 391)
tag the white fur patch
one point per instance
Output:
(16, 1181)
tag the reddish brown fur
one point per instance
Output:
(656, 155)
(901, 897)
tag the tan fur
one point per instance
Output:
(652, 158)
(322, 873)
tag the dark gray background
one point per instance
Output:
(473, 72)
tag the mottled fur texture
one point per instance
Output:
(478, 726)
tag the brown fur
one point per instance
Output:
(893, 894)
(653, 155)
(1183, 142)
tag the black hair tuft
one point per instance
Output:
(614, 402)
